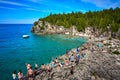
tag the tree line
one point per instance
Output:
(97, 19)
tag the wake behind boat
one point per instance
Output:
(25, 36)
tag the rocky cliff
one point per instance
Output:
(46, 28)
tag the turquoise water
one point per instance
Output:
(16, 51)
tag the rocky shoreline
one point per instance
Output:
(99, 62)
(43, 28)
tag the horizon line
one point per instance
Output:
(16, 23)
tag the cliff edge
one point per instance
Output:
(42, 27)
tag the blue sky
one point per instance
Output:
(27, 11)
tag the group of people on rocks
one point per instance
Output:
(20, 75)
(30, 73)
(74, 57)
(70, 59)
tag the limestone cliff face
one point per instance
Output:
(47, 28)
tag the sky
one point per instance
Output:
(28, 11)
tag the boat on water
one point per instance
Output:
(25, 36)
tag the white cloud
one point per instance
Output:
(36, 1)
(32, 9)
(102, 3)
(13, 3)
(7, 8)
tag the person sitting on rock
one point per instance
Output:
(60, 64)
(48, 68)
(72, 59)
(52, 64)
(43, 67)
(56, 60)
(66, 62)
(58, 68)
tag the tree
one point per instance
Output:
(96, 19)
(35, 23)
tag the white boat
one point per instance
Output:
(25, 36)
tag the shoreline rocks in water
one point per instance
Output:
(42, 28)
(97, 63)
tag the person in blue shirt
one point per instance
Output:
(77, 50)
(78, 56)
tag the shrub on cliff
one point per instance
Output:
(116, 52)
(35, 23)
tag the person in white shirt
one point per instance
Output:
(14, 75)
(72, 59)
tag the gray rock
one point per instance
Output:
(95, 66)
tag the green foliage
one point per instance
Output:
(97, 19)
(42, 28)
(35, 23)
(116, 52)
(110, 38)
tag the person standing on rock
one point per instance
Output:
(72, 59)
(77, 50)
(28, 66)
(78, 56)
(30, 74)
(14, 75)
(77, 60)
(36, 65)
(20, 75)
